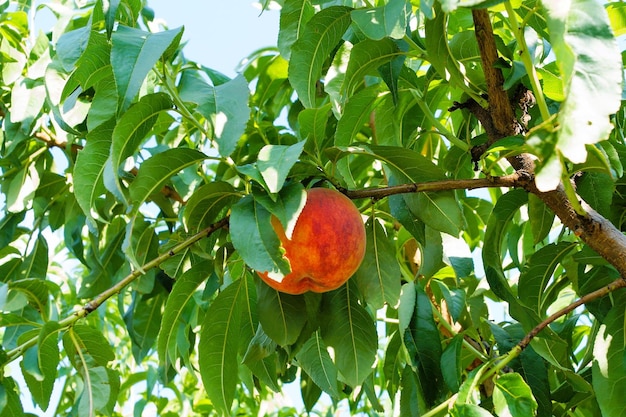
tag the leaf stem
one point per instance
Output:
(436, 123)
(466, 343)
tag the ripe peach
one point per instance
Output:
(326, 247)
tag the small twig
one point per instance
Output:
(517, 179)
(117, 288)
(615, 285)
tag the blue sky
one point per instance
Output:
(219, 33)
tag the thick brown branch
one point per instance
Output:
(500, 108)
(593, 229)
(518, 179)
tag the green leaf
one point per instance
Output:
(96, 391)
(451, 363)
(497, 225)
(176, 315)
(436, 41)
(254, 238)
(313, 124)
(537, 273)
(591, 66)
(320, 36)
(275, 162)
(143, 321)
(90, 162)
(365, 58)
(378, 277)
(423, 344)
(314, 359)
(512, 397)
(440, 211)
(469, 410)
(87, 341)
(389, 20)
(90, 353)
(597, 189)
(356, 114)
(219, 344)
(349, 330)
(541, 218)
(208, 204)
(224, 106)
(609, 374)
(293, 17)
(282, 316)
(309, 391)
(260, 347)
(156, 171)
(41, 382)
(36, 292)
(454, 298)
(35, 265)
(134, 125)
(134, 53)
(93, 65)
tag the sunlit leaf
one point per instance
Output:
(591, 66)
(320, 36)
(388, 20)
(158, 169)
(512, 396)
(293, 17)
(609, 374)
(133, 54)
(224, 106)
(275, 161)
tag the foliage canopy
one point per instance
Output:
(482, 140)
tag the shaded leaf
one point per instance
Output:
(378, 277)
(175, 313)
(282, 316)
(365, 58)
(219, 345)
(254, 238)
(208, 204)
(537, 273)
(498, 223)
(314, 359)
(350, 331)
(423, 344)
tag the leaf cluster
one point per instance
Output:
(137, 189)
